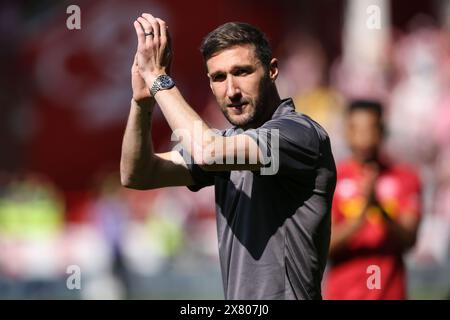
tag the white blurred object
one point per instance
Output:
(30, 258)
(414, 101)
(85, 247)
(432, 240)
(365, 46)
(142, 255)
(102, 287)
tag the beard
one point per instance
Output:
(255, 108)
(243, 120)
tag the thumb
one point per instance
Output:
(135, 67)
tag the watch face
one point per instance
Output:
(166, 82)
(163, 82)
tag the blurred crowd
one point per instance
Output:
(120, 235)
(162, 243)
(408, 72)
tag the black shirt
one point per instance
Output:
(274, 230)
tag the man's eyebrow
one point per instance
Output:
(234, 68)
(242, 66)
(215, 73)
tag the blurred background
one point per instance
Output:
(64, 101)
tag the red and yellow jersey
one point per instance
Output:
(398, 192)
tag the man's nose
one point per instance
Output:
(233, 90)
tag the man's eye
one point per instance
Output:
(242, 72)
(219, 77)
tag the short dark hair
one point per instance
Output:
(371, 106)
(366, 105)
(236, 33)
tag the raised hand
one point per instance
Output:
(368, 183)
(154, 50)
(141, 92)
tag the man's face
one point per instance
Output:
(364, 134)
(240, 84)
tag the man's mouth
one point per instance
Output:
(238, 107)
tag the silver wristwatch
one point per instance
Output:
(163, 82)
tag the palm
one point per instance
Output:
(140, 90)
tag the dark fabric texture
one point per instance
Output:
(274, 230)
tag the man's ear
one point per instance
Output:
(273, 69)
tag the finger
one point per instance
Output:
(145, 25)
(154, 23)
(165, 40)
(147, 29)
(162, 29)
(139, 33)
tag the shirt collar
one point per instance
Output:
(286, 106)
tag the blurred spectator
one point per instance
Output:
(376, 213)
(109, 213)
(303, 76)
(433, 245)
(419, 108)
(31, 225)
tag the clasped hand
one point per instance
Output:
(153, 55)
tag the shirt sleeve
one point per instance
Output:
(290, 145)
(201, 177)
